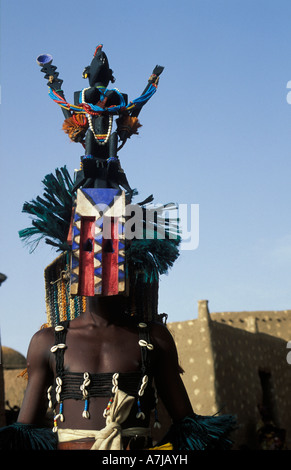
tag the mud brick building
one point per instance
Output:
(235, 362)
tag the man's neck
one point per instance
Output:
(103, 311)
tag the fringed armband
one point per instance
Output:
(202, 433)
(20, 436)
(128, 125)
(76, 127)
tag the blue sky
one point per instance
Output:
(217, 133)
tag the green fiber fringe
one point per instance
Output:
(152, 257)
(197, 432)
(51, 214)
(20, 437)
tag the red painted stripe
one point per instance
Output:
(110, 262)
(86, 262)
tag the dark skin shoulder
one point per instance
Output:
(40, 377)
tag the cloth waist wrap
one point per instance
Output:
(110, 437)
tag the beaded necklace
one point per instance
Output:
(101, 139)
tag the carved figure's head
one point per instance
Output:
(99, 72)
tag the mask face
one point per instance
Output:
(98, 243)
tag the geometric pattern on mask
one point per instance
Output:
(98, 242)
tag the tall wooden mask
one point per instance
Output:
(98, 243)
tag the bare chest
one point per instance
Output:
(107, 350)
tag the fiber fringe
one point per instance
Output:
(18, 436)
(128, 125)
(59, 304)
(51, 213)
(76, 127)
(197, 432)
(152, 257)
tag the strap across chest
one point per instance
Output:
(60, 346)
(82, 385)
